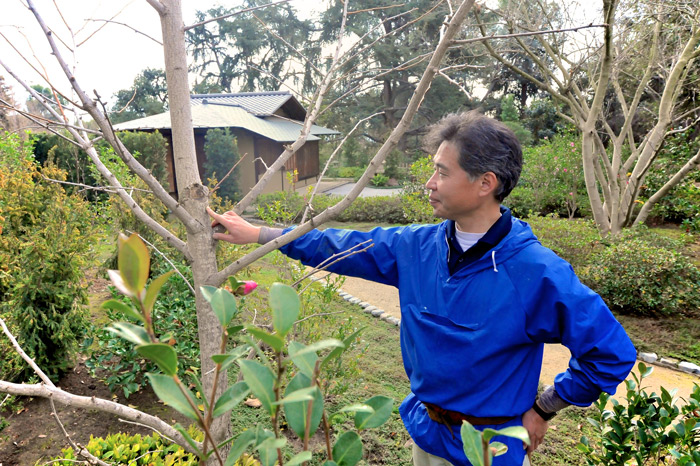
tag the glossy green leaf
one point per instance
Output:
(163, 355)
(230, 398)
(471, 442)
(188, 438)
(234, 329)
(518, 432)
(125, 309)
(299, 458)
(242, 442)
(297, 413)
(305, 362)
(347, 450)
(234, 283)
(267, 450)
(154, 289)
(337, 352)
(222, 303)
(117, 280)
(297, 396)
(275, 342)
(357, 408)
(330, 463)
(261, 381)
(134, 262)
(382, 406)
(133, 333)
(232, 356)
(168, 391)
(285, 305)
(500, 448)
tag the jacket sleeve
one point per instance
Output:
(377, 263)
(563, 310)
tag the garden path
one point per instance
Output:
(556, 357)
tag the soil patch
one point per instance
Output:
(33, 435)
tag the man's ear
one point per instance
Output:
(489, 184)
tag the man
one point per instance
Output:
(479, 298)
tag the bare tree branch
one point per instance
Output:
(421, 89)
(330, 159)
(218, 18)
(101, 119)
(111, 21)
(525, 34)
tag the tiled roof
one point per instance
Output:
(257, 103)
(232, 115)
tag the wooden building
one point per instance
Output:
(262, 123)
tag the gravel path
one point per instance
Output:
(556, 357)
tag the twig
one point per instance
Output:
(452, 81)
(166, 259)
(375, 9)
(121, 24)
(336, 258)
(148, 427)
(4, 400)
(285, 42)
(78, 448)
(202, 23)
(328, 162)
(525, 34)
(108, 189)
(229, 172)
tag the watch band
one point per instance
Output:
(543, 414)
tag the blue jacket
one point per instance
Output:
(473, 341)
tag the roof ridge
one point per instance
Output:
(240, 94)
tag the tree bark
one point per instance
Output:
(194, 196)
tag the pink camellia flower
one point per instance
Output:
(565, 170)
(571, 144)
(247, 287)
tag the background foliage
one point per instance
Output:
(47, 240)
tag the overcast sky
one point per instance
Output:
(106, 59)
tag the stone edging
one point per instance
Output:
(670, 363)
(369, 309)
(649, 358)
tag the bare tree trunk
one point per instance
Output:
(193, 195)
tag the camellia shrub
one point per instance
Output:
(636, 277)
(47, 240)
(551, 180)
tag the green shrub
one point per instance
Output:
(47, 240)
(682, 203)
(175, 315)
(382, 209)
(221, 151)
(379, 180)
(574, 240)
(636, 277)
(551, 180)
(414, 195)
(288, 207)
(136, 450)
(645, 429)
(151, 150)
(351, 172)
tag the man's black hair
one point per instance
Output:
(484, 145)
